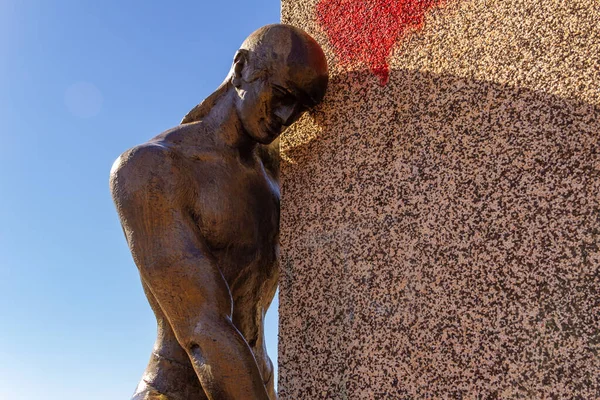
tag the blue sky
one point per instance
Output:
(80, 82)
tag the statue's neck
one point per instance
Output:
(224, 125)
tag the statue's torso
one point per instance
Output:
(235, 210)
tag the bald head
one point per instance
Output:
(292, 55)
(278, 73)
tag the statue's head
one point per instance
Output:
(279, 73)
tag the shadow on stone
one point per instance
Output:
(448, 230)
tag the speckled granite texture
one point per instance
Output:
(440, 234)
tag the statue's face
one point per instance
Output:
(268, 105)
(279, 72)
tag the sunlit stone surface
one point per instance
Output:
(440, 231)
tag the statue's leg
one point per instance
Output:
(260, 352)
(250, 323)
(270, 380)
(169, 374)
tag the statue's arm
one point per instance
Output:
(182, 275)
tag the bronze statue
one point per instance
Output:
(199, 205)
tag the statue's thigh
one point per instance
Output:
(247, 317)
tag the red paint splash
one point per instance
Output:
(365, 31)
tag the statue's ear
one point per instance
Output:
(240, 61)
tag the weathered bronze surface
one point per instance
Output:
(199, 205)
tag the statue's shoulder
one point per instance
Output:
(148, 167)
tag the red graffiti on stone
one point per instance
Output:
(365, 31)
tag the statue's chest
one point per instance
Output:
(238, 212)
